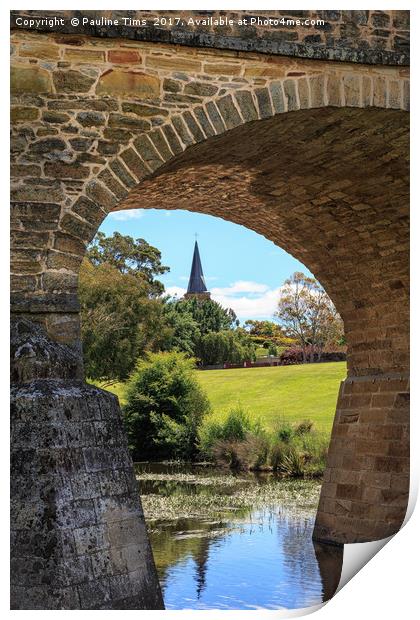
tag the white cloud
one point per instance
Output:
(249, 300)
(127, 214)
(250, 306)
(241, 286)
(175, 291)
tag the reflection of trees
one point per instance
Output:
(295, 535)
(201, 558)
(299, 553)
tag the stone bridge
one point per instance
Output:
(297, 132)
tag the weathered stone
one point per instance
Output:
(29, 79)
(193, 127)
(112, 184)
(50, 463)
(18, 114)
(352, 90)
(277, 97)
(99, 194)
(182, 130)
(147, 152)
(107, 147)
(228, 111)
(76, 227)
(246, 105)
(121, 120)
(394, 94)
(222, 69)
(334, 86)
(130, 83)
(200, 89)
(72, 81)
(171, 86)
(88, 210)
(59, 170)
(174, 63)
(55, 117)
(122, 173)
(43, 51)
(203, 122)
(317, 85)
(81, 144)
(81, 56)
(91, 119)
(264, 103)
(17, 170)
(143, 110)
(69, 243)
(160, 144)
(124, 57)
(289, 87)
(172, 139)
(134, 164)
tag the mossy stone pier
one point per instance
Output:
(300, 134)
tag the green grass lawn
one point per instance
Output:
(307, 391)
(295, 393)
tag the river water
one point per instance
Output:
(235, 542)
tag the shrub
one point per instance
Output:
(284, 431)
(304, 427)
(236, 441)
(235, 427)
(291, 356)
(165, 407)
(292, 462)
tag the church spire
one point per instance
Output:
(197, 285)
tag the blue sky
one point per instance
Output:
(243, 270)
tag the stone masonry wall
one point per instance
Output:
(374, 37)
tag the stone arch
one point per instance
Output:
(335, 196)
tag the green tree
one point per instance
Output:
(130, 256)
(231, 346)
(307, 313)
(182, 331)
(165, 407)
(209, 315)
(119, 321)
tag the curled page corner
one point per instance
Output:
(356, 556)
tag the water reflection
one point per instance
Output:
(261, 558)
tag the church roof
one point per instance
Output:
(197, 283)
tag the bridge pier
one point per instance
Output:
(364, 494)
(79, 538)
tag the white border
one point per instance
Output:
(387, 586)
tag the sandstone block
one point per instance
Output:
(124, 57)
(21, 113)
(129, 83)
(29, 79)
(72, 81)
(43, 51)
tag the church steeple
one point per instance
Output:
(197, 285)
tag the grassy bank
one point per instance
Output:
(291, 393)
